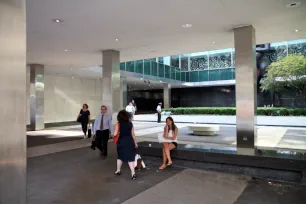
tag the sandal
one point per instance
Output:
(162, 167)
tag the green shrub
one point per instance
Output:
(232, 111)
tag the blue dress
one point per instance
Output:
(126, 146)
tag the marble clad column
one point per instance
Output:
(13, 152)
(37, 95)
(123, 90)
(167, 95)
(111, 92)
(246, 89)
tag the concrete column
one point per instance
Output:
(37, 95)
(123, 90)
(246, 87)
(111, 94)
(13, 102)
(167, 95)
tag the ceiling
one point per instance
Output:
(148, 28)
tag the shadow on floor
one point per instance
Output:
(80, 176)
(33, 141)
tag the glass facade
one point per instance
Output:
(206, 66)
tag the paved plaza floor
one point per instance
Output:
(288, 121)
(80, 176)
(62, 169)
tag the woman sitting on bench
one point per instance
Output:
(170, 133)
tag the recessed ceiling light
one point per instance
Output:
(66, 50)
(293, 4)
(296, 30)
(57, 20)
(214, 42)
(117, 39)
(187, 25)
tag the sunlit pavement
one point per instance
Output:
(267, 137)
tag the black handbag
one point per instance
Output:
(89, 131)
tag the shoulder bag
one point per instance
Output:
(116, 137)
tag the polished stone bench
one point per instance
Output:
(227, 159)
(204, 130)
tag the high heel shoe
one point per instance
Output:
(134, 177)
(162, 167)
(169, 164)
(117, 173)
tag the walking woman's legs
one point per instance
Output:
(119, 165)
(132, 167)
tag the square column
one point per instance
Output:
(167, 95)
(37, 97)
(123, 90)
(246, 89)
(13, 145)
(111, 93)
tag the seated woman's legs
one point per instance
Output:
(164, 165)
(168, 147)
(166, 154)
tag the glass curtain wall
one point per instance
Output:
(213, 65)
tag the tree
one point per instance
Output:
(288, 73)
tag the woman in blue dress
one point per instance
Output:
(126, 146)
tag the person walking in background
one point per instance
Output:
(101, 130)
(135, 108)
(170, 133)
(84, 118)
(158, 109)
(130, 109)
(126, 146)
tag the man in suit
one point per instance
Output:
(102, 128)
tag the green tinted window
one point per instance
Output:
(194, 76)
(122, 66)
(203, 75)
(139, 66)
(130, 66)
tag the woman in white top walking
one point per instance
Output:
(130, 109)
(170, 133)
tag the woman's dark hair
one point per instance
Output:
(173, 125)
(85, 105)
(123, 117)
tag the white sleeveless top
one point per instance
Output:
(170, 133)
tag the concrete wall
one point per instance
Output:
(64, 97)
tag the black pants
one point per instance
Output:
(158, 117)
(84, 127)
(102, 141)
